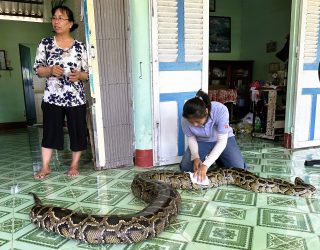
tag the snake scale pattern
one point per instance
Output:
(159, 189)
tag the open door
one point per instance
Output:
(180, 63)
(107, 34)
(306, 127)
(27, 84)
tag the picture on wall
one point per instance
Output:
(219, 34)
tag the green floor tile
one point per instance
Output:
(3, 242)
(221, 218)
(314, 205)
(281, 201)
(230, 212)
(284, 219)
(106, 197)
(236, 197)
(13, 225)
(285, 242)
(276, 169)
(224, 234)
(158, 243)
(39, 237)
(193, 208)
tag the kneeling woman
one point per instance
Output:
(209, 136)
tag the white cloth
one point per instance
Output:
(205, 182)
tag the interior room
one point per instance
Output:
(248, 53)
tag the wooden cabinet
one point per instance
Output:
(236, 75)
(230, 74)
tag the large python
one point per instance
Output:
(159, 189)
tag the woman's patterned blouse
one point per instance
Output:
(60, 90)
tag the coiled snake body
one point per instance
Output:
(158, 188)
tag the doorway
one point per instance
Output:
(28, 89)
(257, 33)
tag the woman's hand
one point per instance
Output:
(56, 71)
(201, 173)
(196, 164)
(74, 76)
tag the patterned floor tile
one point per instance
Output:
(39, 237)
(278, 176)
(224, 234)
(106, 197)
(230, 212)
(72, 193)
(137, 202)
(121, 184)
(3, 195)
(276, 169)
(13, 225)
(86, 209)
(178, 226)
(91, 182)
(314, 205)
(222, 218)
(14, 202)
(43, 189)
(193, 208)
(236, 197)
(277, 162)
(197, 194)
(275, 156)
(158, 243)
(256, 161)
(284, 219)
(282, 241)
(3, 242)
(281, 201)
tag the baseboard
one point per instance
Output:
(12, 125)
(287, 141)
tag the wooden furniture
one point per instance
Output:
(237, 75)
(271, 113)
(231, 74)
(225, 96)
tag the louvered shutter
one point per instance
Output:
(167, 31)
(193, 20)
(311, 37)
(306, 125)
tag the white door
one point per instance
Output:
(107, 33)
(180, 63)
(306, 128)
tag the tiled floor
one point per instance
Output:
(223, 218)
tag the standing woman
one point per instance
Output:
(209, 136)
(63, 61)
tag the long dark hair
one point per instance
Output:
(69, 13)
(196, 106)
